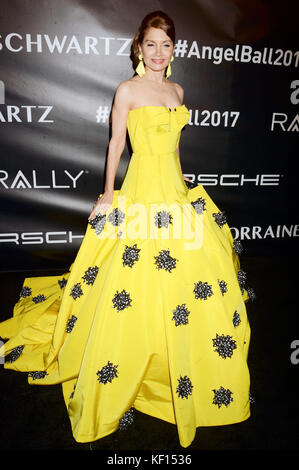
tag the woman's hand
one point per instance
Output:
(102, 205)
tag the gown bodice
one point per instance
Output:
(154, 172)
(155, 130)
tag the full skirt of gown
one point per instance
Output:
(151, 314)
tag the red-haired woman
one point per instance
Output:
(151, 315)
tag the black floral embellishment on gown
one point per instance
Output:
(202, 290)
(238, 247)
(71, 323)
(236, 319)
(130, 255)
(98, 223)
(25, 292)
(76, 290)
(180, 315)
(116, 216)
(251, 293)
(223, 286)
(126, 420)
(107, 373)
(163, 219)
(222, 396)
(14, 354)
(220, 218)
(241, 275)
(62, 282)
(39, 298)
(199, 205)
(90, 274)
(121, 300)
(185, 387)
(38, 374)
(225, 345)
(165, 261)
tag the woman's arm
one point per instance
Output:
(116, 146)
(117, 142)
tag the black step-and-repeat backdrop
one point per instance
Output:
(60, 63)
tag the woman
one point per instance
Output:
(149, 317)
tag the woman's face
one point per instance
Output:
(156, 49)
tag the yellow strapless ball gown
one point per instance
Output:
(151, 314)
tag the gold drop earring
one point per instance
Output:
(140, 67)
(168, 71)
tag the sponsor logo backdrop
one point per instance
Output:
(60, 65)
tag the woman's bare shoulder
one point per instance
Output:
(128, 85)
(126, 90)
(124, 87)
(179, 89)
(124, 93)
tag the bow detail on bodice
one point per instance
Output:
(165, 120)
